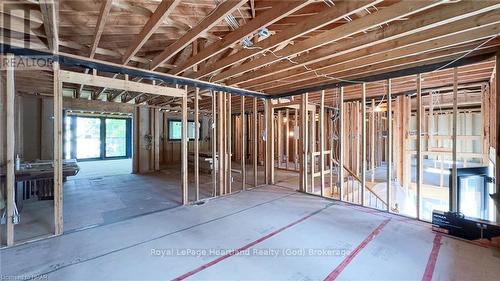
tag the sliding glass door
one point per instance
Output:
(116, 137)
(88, 137)
(94, 138)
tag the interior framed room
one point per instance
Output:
(250, 139)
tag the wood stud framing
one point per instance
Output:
(197, 144)
(496, 139)
(304, 125)
(389, 144)
(228, 145)
(363, 144)
(124, 85)
(220, 141)
(269, 121)
(322, 142)
(342, 141)
(214, 138)
(419, 146)
(453, 198)
(409, 24)
(255, 139)
(304, 134)
(10, 142)
(58, 146)
(184, 149)
(287, 138)
(243, 144)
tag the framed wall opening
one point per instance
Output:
(90, 137)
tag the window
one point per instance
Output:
(88, 137)
(116, 137)
(175, 130)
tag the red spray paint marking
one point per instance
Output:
(246, 247)
(336, 272)
(431, 263)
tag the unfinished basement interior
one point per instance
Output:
(249, 140)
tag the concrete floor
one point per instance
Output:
(279, 235)
(94, 198)
(96, 169)
(105, 192)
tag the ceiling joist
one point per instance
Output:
(103, 15)
(207, 23)
(268, 17)
(323, 18)
(157, 18)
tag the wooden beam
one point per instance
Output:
(287, 137)
(389, 144)
(102, 90)
(304, 141)
(10, 180)
(79, 90)
(331, 146)
(419, 146)
(58, 146)
(416, 24)
(220, 142)
(213, 140)
(453, 191)
(207, 23)
(363, 144)
(124, 85)
(99, 28)
(156, 127)
(49, 15)
(349, 65)
(243, 145)
(496, 123)
(295, 140)
(312, 144)
(394, 69)
(280, 10)
(152, 151)
(269, 120)
(184, 149)
(228, 144)
(319, 20)
(386, 15)
(255, 142)
(197, 144)
(279, 137)
(194, 52)
(252, 7)
(341, 141)
(322, 140)
(223, 139)
(161, 13)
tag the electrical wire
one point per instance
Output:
(327, 76)
(469, 52)
(383, 83)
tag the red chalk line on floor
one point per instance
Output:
(431, 263)
(393, 217)
(336, 272)
(247, 246)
